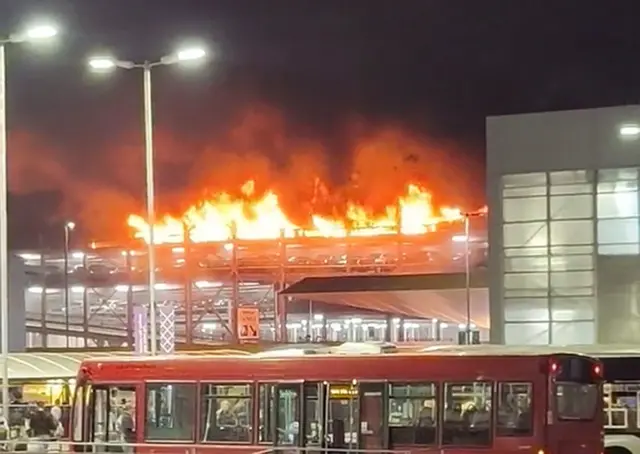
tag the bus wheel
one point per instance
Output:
(616, 450)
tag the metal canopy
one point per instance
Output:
(426, 296)
(47, 366)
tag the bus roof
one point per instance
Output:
(595, 350)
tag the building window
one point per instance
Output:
(467, 415)
(515, 418)
(226, 413)
(412, 413)
(170, 412)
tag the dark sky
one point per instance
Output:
(434, 68)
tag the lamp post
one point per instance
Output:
(109, 64)
(36, 33)
(467, 269)
(68, 228)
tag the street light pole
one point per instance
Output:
(467, 275)
(151, 207)
(68, 227)
(32, 34)
(4, 237)
(108, 63)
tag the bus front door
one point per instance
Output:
(341, 416)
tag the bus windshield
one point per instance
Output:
(576, 401)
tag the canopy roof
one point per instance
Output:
(47, 366)
(426, 296)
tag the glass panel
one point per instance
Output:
(467, 414)
(170, 412)
(288, 415)
(525, 280)
(571, 207)
(619, 249)
(526, 234)
(226, 413)
(77, 418)
(520, 264)
(342, 416)
(524, 179)
(413, 414)
(572, 308)
(618, 231)
(565, 177)
(533, 191)
(571, 232)
(572, 250)
(581, 188)
(266, 413)
(515, 418)
(526, 333)
(524, 209)
(618, 205)
(372, 411)
(572, 263)
(114, 414)
(526, 310)
(573, 333)
(622, 407)
(526, 293)
(618, 175)
(576, 401)
(572, 279)
(313, 416)
(526, 252)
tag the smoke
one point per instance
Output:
(371, 164)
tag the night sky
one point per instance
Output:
(316, 70)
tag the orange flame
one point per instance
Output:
(224, 217)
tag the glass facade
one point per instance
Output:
(557, 227)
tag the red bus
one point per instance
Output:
(344, 400)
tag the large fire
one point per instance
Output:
(223, 217)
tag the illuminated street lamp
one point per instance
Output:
(40, 32)
(106, 63)
(68, 228)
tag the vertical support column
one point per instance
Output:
(279, 301)
(130, 309)
(43, 299)
(400, 336)
(188, 287)
(390, 326)
(235, 284)
(85, 317)
(167, 320)
(400, 237)
(86, 309)
(140, 330)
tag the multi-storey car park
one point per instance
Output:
(394, 286)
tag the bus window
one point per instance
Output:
(576, 401)
(313, 414)
(412, 413)
(288, 415)
(265, 413)
(170, 412)
(77, 422)
(514, 416)
(112, 414)
(467, 414)
(226, 413)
